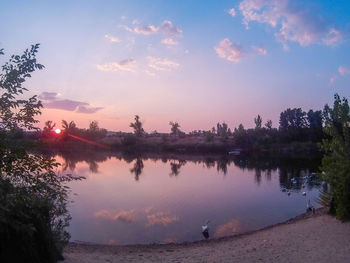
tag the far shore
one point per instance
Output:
(309, 237)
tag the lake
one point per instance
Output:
(164, 199)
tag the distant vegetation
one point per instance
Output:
(298, 133)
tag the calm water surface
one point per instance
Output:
(160, 200)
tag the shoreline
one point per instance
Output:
(306, 235)
(318, 212)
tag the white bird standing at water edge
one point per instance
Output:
(205, 228)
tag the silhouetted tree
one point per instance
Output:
(314, 119)
(222, 130)
(175, 128)
(336, 162)
(258, 122)
(68, 127)
(33, 199)
(48, 128)
(292, 119)
(268, 124)
(93, 126)
(137, 126)
(209, 136)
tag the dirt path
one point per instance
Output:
(310, 238)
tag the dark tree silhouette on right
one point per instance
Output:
(336, 161)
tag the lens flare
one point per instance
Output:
(58, 131)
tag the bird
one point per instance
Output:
(309, 207)
(304, 193)
(205, 229)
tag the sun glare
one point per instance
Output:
(58, 131)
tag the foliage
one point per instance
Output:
(94, 132)
(68, 127)
(223, 130)
(33, 198)
(336, 162)
(258, 122)
(292, 119)
(48, 128)
(137, 126)
(175, 128)
(209, 136)
(268, 124)
(129, 140)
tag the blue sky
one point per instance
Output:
(195, 62)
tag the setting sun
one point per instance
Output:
(58, 131)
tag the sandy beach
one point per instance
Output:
(310, 237)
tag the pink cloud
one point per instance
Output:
(123, 65)
(166, 28)
(126, 216)
(260, 50)
(229, 51)
(161, 218)
(343, 70)
(52, 100)
(232, 12)
(230, 228)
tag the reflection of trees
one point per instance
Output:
(288, 169)
(209, 162)
(258, 176)
(93, 167)
(261, 167)
(221, 165)
(175, 167)
(137, 169)
(91, 158)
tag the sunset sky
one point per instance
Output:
(192, 61)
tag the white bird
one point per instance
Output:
(205, 228)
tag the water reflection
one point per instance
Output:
(175, 167)
(286, 168)
(137, 168)
(237, 194)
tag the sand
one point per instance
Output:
(311, 237)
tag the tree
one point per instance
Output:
(175, 128)
(209, 136)
(33, 199)
(222, 130)
(93, 126)
(48, 128)
(137, 126)
(292, 119)
(268, 124)
(258, 122)
(336, 161)
(68, 127)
